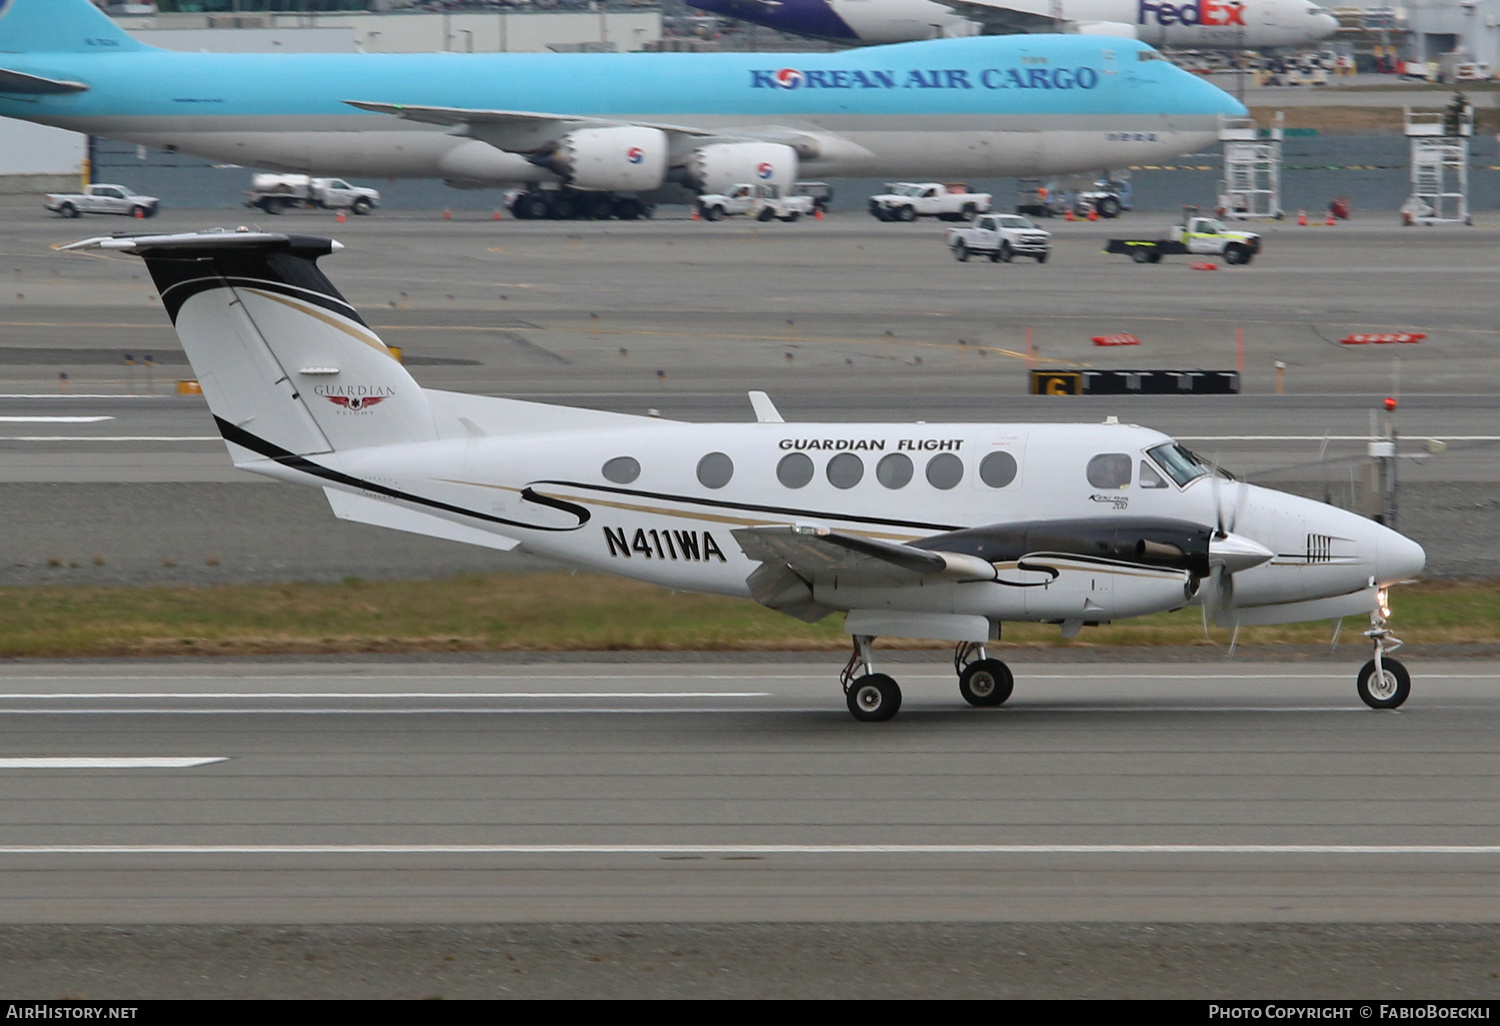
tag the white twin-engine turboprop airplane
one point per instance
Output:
(937, 531)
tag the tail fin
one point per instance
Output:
(286, 364)
(60, 26)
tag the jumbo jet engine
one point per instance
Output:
(618, 159)
(715, 168)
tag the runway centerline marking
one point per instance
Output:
(750, 849)
(109, 762)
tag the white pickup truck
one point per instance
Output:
(756, 200)
(907, 201)
(274, 193)
(102, 199)
(1001, 237)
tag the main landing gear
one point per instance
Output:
(1383, 682)
(569, 204)
(875, 697)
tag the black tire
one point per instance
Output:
(628, 209)
(1005, 253)
(600, 208)
(1235, 254)
(1108, 206)
(536, 207)
(967, 213)
(1155, 258)
(271, 206)
(792, 215)
(986, 682)
(1041, 257)
(714, 213)
(766, 214)
(1388, 693)
(961, 252)
(563, 209)
(1142, 256)
(907, 214)
(361, 206)
(994, 256)
(874, 698)
(67, 210)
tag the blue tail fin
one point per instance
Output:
(60, 26)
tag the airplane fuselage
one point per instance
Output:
(1228, 24)
(979, 107)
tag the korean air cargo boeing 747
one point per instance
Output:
(607, 128)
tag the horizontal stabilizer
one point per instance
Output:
(379, 513)
(34, 85)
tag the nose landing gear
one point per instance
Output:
(1383, 682)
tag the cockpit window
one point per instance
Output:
(1150, 478)
(1148, 55)
(1181, 463)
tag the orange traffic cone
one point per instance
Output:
(1328, 221)
(817, 213)
(447, 215)
(696, 215)
(1302, 218)
(140, 215)
(498, 217)
(1068, 214)
(1093, 214)
(341, 218)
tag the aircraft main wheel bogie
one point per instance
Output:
(874, 698)
(986, 682)
(1385, 691)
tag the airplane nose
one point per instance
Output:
(1397, 558)
(1327, 25)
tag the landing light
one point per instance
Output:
(1383, 602)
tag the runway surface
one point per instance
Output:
(393, 792)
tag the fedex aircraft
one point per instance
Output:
(1224, 24)
(595, 133)
(927, 530)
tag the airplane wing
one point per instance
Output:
(997, 19)
(794, 559)
(35, 85)
(522, 131)
(515, 130)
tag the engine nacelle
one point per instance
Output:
(715, 168)
(613, 159)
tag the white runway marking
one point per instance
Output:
(109, 762)
(750, 849)
(110, 438)
(53, 420)
(386, 694)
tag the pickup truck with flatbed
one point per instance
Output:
(1199, 236)
(756, 200)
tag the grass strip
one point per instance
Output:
(561, 612)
